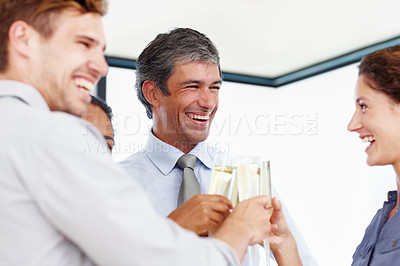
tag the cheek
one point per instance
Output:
(216, 104)
(368, 121)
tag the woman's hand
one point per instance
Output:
(282, 242)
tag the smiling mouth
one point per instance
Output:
(85, 85)
(199, 117)
(368, 140)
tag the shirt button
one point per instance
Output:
(394, 244)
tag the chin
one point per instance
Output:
(200, 138)
(372, 162)
(79, 111)
(197, 136)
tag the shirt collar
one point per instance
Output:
(165, 156)
(392, 196)
(204, 153)
(25, 92)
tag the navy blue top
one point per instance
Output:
(381, 242)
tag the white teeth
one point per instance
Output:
(84, 84)
(367, 139)
(199, 117)
(84, 91)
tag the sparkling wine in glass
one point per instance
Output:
(223, 182)
(254, 179)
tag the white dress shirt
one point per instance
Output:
(154, 169)
(64, 202)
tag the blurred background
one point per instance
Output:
(290, 69)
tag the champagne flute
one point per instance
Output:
(253, 180)
(223, 180)
(266, 189)
(248, 175)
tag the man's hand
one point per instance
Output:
(202, 213)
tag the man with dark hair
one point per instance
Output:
(100, 115)
(103, 106)
(178, 79)
(178, 82)
(60, 203)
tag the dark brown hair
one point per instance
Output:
(382, 71)
(40, 14)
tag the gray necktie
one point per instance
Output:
(189, 186)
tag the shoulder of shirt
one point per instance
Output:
(133, 159)
(72, 126)
(53, 128)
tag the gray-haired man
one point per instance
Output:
(178, 82)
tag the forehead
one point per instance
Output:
(94, 112)
(196, 70)
(99, 118)
(363, 87)
(71, 23)
(364, 91)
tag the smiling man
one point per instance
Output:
(178, 82)
(62, 201)
(67, 88)
(183, 118)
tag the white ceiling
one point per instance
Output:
(262, 38)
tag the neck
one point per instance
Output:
(183, 146)
(395, 208)
(396, 168)
(7, 76)
(17, 74)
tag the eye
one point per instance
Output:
(362, 106)
(191, 85)
(215, 87)
(85, 44)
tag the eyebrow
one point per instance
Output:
(110, 138)
(360, 99)
(200, 82)
(89, 39)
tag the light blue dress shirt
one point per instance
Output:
(154, 169)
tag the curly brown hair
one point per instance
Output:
(382, 71)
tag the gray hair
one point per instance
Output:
(157, 60)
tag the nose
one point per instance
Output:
(355, 123)
(99, 65)
(208, 99)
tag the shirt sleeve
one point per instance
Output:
(89, 199)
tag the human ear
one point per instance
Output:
(151, 92)
(20, 34)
